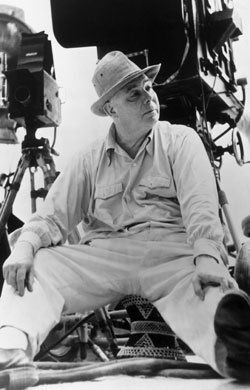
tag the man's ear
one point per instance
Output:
(109, 109)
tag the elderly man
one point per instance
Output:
(147, 199)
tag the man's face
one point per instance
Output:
(136, 105)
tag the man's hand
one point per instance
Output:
(18, 269)
(209, 273)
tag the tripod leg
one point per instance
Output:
(6, 211)
(4, 253)
(48, 173)
(32, 189)
(106, 326)
(7, 204)
(224, 204)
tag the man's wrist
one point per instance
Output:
(24, 246)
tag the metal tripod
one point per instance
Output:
(35, 153)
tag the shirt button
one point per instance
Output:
(134, 164)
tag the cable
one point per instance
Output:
(211, 93)
(185, 53)
(221, 135)
(204, 114)
(51, 373)
(71, 330)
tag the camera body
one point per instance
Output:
(32, 88)
(33, 94)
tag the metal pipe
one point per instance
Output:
(224, 204)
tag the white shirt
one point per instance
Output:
(169, 184)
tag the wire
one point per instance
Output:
(221, 135)
(184, 56)
(147, 367)
(71, 330)
(204, 115)
(212, 90)
(208, 136)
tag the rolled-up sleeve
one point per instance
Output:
(197, 195)
(63, 208)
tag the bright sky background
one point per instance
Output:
(74, 69)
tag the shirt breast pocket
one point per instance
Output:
(108, 202)
(157, 187)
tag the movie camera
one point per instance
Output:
(32, 88)
(29, 92)
(192, 39)
(29, 99)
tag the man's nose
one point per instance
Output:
(147, 96)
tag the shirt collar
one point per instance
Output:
(150, 143)
(110, 139)
(110, 143)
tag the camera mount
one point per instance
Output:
(30, 98)
(35, 153)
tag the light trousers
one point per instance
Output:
(79, 278)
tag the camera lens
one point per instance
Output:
(22, 94)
